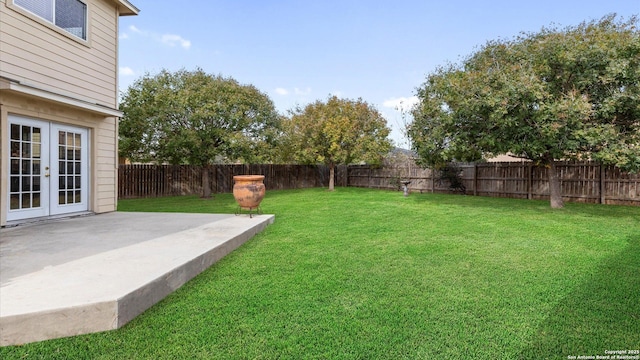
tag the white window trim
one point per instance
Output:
(10, 4)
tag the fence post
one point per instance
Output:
(529, 180)
(475, 179)
(433, 180)
(603, 195)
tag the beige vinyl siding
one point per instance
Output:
(69, 67)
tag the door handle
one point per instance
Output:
(46, 175)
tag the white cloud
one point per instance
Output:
(401, 103)
(173, 40)
(135, 29)
(170, 40)
(299, 91)
(127, 71)
(282, 91)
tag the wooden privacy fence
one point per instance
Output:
(135, 181)
(581, 181)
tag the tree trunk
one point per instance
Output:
(555, 189)
(331, 176)
(206, 186)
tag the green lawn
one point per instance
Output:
(366, 274)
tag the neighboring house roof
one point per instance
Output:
(506, 158)
(126, 8)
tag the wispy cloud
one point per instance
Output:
(127, 71)
(305, 91)
(173, 40)
(296, 91)
(134, 29)
(170, 40)
(401, 103)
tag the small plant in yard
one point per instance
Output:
(450, 174)
(366, 274)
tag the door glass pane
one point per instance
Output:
(14, 202)
(78, 197)
(15, 166)
(15, 132)
(15, 149)
(26, 149)
(26, 201)
(26, 183)
(26, 167)
(62, 182)
(62, 138)
(36, 199)
(36, 150)
(36, 167)
(15, 184)
(26, 133)
(36, 183)
(62, 197)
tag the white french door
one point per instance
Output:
(48, 169)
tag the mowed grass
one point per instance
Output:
(367, 274)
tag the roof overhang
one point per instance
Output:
(12, 86)
(126, 8)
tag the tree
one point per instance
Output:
(190, 117)
(547, 96)
(337, 131)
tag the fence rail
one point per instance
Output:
(136, 181)
(581, 181)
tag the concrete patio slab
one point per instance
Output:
(94, 273)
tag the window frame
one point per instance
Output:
(51, 24)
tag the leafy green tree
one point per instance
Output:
(338, 131)
(557, 94)
(190, 117)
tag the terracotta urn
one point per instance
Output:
(248, 190)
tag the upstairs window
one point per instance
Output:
(70, 15)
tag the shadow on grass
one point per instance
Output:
(602, 314)
(587, 209)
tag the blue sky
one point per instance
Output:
(299, 51)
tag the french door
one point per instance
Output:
(48, 169)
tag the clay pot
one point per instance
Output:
(248, 190)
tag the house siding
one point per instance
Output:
(39, 56)
(83, 70)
